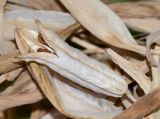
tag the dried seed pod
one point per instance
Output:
(72, 63)
(65, 95)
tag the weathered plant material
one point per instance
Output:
(74, 95)
(98, 19)
(146, 103)
(144, 18)
(142, 107)
(56, 21)
(35, 4)
(10, 63)
(153, 38)
(84, 64)
(2, 4)
(22, 83)
(9, 101)
(132, 70)
(53, 114)
(57, 60)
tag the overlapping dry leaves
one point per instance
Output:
(80, 55)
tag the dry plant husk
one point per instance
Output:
(66, 96)
(80, 56)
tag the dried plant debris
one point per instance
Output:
(34, 4)
(57, 21)
(74, 96)
(56, 53)
(132, 70)
(145, 18)
(79, 57)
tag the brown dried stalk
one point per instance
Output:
(142, 107)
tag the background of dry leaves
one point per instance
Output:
(94, 59)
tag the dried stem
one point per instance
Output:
(142, 107)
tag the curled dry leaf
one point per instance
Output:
(81, 69)
(132, 70)
(103, 23)
(56, 21)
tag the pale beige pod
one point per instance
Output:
(67, 97)
(72, 63)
